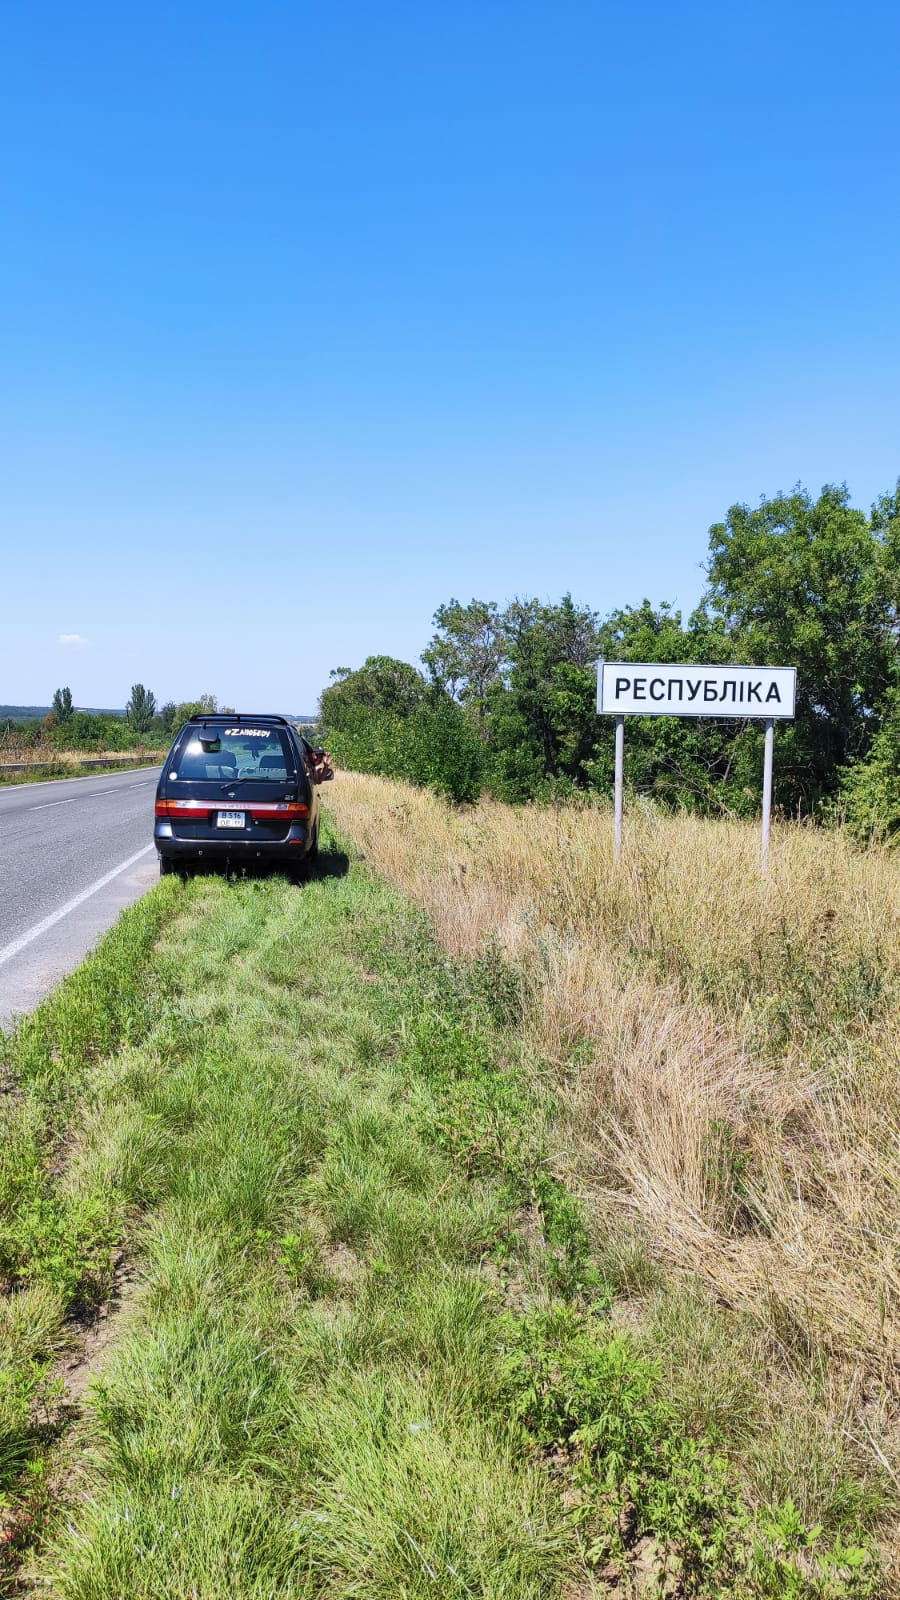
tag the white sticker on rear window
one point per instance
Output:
(250, 733)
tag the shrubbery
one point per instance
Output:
(871, 789)
(431, 743)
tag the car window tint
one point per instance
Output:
(262, 754)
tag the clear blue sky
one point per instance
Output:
(312, 317)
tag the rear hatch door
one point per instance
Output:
(236, 783)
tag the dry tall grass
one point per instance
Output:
(728, 1048)
(39, 756)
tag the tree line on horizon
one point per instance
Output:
(505, 699)
(65, 727)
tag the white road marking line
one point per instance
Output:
(10, 950)
(47, 805)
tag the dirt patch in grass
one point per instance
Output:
(93, 1332)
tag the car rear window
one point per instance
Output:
(259, 753)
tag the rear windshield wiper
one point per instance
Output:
(257, 777)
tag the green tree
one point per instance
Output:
(381, 686)
(438, 748)
(812, 583)
(384, 718)
(467, 652)
(62, 707)
(141, 709)
(86, 729)
(541, 711)
(206, 705)
(871, 788)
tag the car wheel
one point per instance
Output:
(166, 866)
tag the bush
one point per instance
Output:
(439, 751)
(872, 788)
(433, 747)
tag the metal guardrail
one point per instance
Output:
(89, 761)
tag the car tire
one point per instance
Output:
(304, 869)
(166, 866)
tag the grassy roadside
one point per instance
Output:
(375, 1351)
(58, 1239)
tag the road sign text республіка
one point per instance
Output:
(648, 689)
(654, 689)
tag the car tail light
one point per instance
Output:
(193, 810)
(184, 810)
(274, 810)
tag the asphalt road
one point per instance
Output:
(73, 852)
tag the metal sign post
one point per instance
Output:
(652, 689)
(767, 794)
(617, 802)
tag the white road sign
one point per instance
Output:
(647, 689)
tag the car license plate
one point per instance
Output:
(230, 819)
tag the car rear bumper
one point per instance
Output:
(248, 852)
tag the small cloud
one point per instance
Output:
(72, 638)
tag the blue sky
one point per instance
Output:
(312, 317)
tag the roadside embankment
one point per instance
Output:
(727, 1060)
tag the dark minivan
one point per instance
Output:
(238, 791)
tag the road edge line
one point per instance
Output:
(25, 939)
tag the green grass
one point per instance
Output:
(373, 1352)
(58, 1237)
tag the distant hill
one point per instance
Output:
(34, 713)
